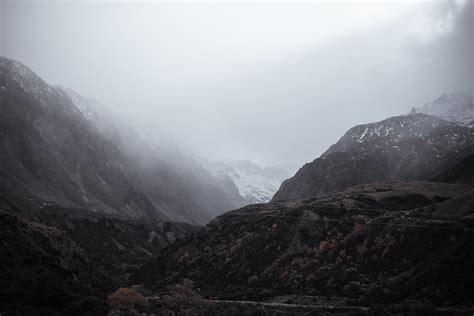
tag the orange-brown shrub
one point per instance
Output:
(125, 298)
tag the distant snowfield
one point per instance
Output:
(453, 107)
(255, 184)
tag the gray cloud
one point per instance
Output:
(271, 82)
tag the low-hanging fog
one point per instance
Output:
(275, 83)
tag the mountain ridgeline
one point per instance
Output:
(408, 147)
(60, 148)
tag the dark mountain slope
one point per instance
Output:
(42, 271)
(461, 172)
(393, 129)
(388, 243)
(167, 168)
(49, 152)
(412, 147)
(57, 147)
(118, 245)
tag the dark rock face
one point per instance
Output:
(42, 271)
(54, 149)
(387, 243)
(412, 147)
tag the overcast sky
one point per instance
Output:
(275, 83)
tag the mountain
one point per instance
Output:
(255, 184)
(453, 107)
(408, 147)
(372, 246)
(60, 148)
(43, 272)
(205, 193)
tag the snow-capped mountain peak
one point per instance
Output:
(26, 79)
(394, 128)
(454, 107)
(255, 184)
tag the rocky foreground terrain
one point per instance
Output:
(44, 272)
(386, 244)
(118, 245)
(66, 261)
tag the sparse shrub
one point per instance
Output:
(252, 280)
(234, 249)
(311, 278)
(316, 263)
(182, 297)
(126, 298)
(362, 251)
(364, 248)
(184, 257)
(323, 246)
(312, 251)
(343, 253)
(284, 274)
(358, 227)
(297, 263)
